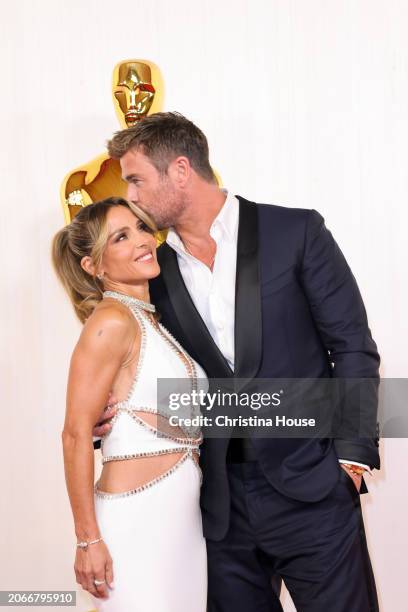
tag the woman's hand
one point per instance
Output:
(94, 563)
(104, 424)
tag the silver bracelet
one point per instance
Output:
(84, 545)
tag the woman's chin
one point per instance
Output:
(154, 274)
(151, 271)
(155, 271)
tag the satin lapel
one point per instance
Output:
(248, 313)
(189, 318)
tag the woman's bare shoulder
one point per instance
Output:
(111, 326)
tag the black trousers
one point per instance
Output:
(319, 549)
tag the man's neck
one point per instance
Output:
(205, 205)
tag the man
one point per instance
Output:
(259, 291)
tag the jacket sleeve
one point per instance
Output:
(340, 317)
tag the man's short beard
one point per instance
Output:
(170, 216)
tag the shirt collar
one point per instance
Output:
(227, 220)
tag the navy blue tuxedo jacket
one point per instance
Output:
(298, 310)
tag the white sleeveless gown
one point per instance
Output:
(154, 532)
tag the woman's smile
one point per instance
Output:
(145, 257)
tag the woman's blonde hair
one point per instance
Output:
(87, 235)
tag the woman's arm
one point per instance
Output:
(104, 344)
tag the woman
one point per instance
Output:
(141, 526)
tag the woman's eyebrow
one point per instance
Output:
(126, 227)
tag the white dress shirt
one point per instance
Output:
(213, 293)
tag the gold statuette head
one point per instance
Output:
(137, 89)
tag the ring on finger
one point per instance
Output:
(99, 582)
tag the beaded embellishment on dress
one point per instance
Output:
(130, 301)
(126, 440)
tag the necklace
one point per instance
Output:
(130, 301)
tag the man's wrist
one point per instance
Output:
(366, 467)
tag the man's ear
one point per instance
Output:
(88, 265)
(180, 170)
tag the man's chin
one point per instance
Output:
(163, 227)
(161, 223)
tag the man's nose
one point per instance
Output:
(132, 193)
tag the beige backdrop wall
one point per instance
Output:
(304, 103)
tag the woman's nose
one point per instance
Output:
(141, 242)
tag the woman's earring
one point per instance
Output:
(100, 276)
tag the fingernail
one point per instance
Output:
(111, 586)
